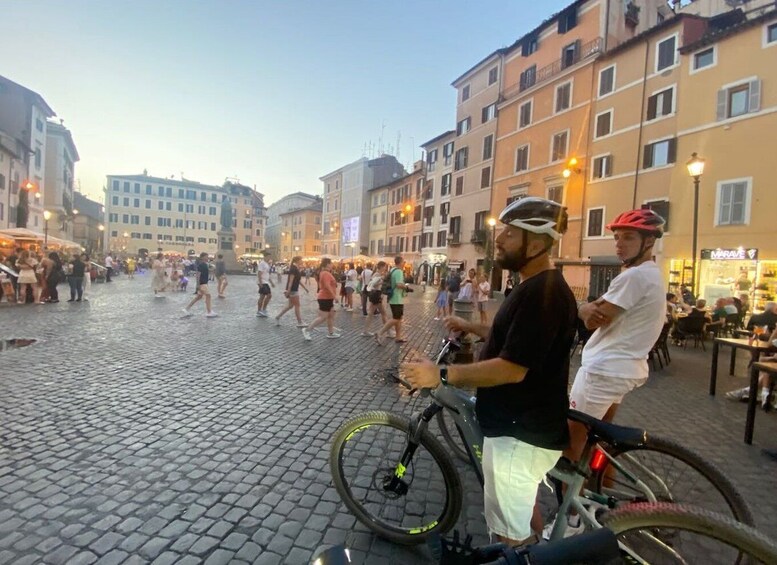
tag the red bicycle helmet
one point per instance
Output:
(643, 220)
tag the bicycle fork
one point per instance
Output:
(395, 482)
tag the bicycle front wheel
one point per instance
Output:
(670, 473)
(365, 457)
(452, 437)
(673, 533)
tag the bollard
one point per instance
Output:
(464, 309)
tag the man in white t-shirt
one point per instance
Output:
(628, 319)
(351, 282)
(365, 280)
(264, 283)
(108, 268)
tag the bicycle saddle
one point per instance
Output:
(612, 434)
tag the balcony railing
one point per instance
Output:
(547, 72)
(478, 236)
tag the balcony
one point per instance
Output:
(479, 237)
(586, 51)
(454, 239)
(632, 14)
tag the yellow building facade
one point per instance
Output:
(301, 233)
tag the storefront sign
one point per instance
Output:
(738, 254)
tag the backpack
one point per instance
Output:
(454, 283)
(386, 286)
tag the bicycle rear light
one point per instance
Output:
(598, 460)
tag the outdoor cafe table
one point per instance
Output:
(757, 347)
(768, 367)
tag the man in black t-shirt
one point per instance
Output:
(523, 370)
(203, 274)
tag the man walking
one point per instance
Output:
(454, 286)
(203, 274)
(108, 268)
(396, 302)
(522, 374)
(264, 282)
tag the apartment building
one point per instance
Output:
(330, 240)
(87, 223)
(347, 206)
(727, 113)
(301, 232)
(61, 157)
(273, 222)
(437, 203)
(478, 94)
(14, 161)
(546, 113)
(404, 207)
(23, 115)
(378, 221)
(146, 213)
(249, 218)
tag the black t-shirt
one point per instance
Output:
(202, 268)
(534, 328)
(79, 268)
(454, 283)
(763, 319)
(294, 276)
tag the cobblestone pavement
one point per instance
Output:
(130, 435)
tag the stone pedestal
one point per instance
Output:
(226, 247)
(464, 309)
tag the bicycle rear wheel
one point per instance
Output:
(365, 456)
(674, 533)
(672, 473)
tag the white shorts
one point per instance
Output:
(512, 471)
(593, 394)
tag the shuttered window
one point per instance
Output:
(602, 167)
(660, 104)
(660, 153)
(595, 222)
(739, 100)
(733, 203)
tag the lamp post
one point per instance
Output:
(491, 252)
(101, 229)
(46, 218)
(695, 166)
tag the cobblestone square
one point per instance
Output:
(131, 435)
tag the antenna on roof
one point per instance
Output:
(380, 140)
(399, 137)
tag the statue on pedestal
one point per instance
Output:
(226, 215)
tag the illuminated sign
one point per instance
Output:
(350, 230)
(738, 254)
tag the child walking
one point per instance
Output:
(441, 300)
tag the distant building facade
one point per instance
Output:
(61, 157)
(274, 232)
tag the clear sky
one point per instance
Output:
(275, 94)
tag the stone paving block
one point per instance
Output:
(204, 545)
(61, 555)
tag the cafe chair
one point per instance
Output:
(692, 327)
(732, 323)
(660, 348)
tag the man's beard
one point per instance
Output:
(511, 262)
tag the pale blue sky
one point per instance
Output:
(276, 94)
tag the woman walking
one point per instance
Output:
(327, 292)
(87, 283)
(441, 300)
(27, 277)
(293, 282)
(52, 276)
(76, 279)
(159, 282)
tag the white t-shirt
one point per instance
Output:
(484, 289)
(263, 272)
(366, 276)
(620, 349)
(351, 278)
(109, 262)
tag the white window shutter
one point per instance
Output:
(722, 102)
(724, 212)
(754, 104)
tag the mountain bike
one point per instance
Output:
(672, 472)
(399, 480)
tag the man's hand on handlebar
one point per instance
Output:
(456, 324)
(422, 374)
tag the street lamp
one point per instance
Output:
(695, 166)
(101, 228)
(46, 218)
(491, 252)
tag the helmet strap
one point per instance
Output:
(642, 249)
(524, 260)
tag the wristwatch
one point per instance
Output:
(444, 375)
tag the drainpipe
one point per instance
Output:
(586, 171)
(641, 124)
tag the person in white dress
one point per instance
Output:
(159, 281)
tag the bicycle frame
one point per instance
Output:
(462, 408)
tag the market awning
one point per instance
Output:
(22, 233)
(62, 243)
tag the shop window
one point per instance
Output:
(733, 202)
